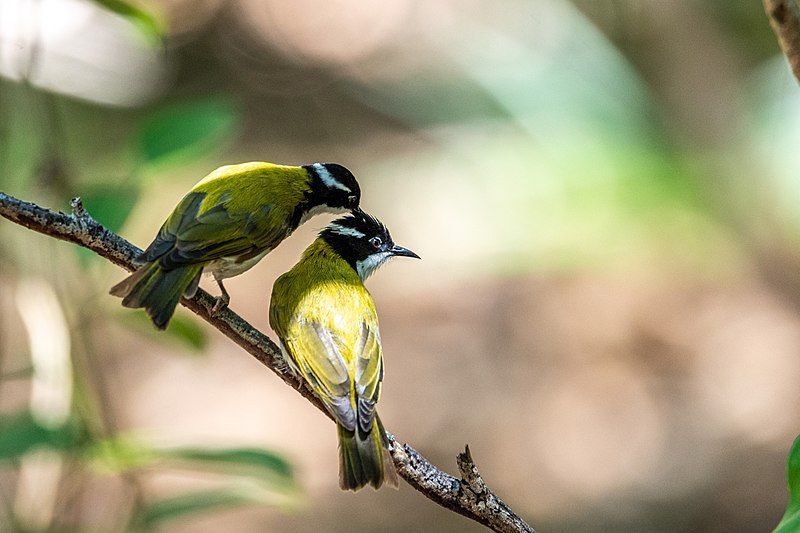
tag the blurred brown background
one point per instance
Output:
(605, 196)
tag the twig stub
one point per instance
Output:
(469, 472)
(77, 207)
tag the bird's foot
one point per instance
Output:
(220, 304)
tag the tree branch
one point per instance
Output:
(468, 496)
(784, 17)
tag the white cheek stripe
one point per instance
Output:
(328, 179)
(341, 230)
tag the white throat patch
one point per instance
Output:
(328, 179)
(367, 266)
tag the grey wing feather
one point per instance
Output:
(369, 368)
(366, 412)
(328, 375)
(369, 374)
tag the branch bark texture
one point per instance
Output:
(784, 17)
(468, 495)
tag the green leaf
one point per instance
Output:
(193, 503)
(110, 204)
(120, 454)
(244, 461)
(257, 476)
(270, 470)
(149, 24)
(790, 522)
(187, 129)
(183, 328)
(187, 330)
(19, 433)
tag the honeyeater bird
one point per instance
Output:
(229, 221)
(328, 328)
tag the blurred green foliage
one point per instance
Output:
(155, 142)
(148, 23)
(20, 433)
(184, 329)
(268, 466)
(186, 130)
(790, 523)
(110, 203)
(121, 454)
(252, 475)
(196, 502)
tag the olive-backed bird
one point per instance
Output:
(229, 221)
(328, 328)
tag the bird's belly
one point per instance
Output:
(228, 267)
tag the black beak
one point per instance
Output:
(405, 252)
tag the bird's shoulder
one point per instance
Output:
(246, 187)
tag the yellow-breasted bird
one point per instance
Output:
(229, 221)
(328, 327)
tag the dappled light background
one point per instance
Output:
(604, 194)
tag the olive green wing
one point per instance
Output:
(190, 236)
(236, 210)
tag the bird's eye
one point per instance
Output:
(352, 201)
(376, 242)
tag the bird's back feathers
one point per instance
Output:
(236, 211)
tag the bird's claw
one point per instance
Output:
(220, 304)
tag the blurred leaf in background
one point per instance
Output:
(199, 502)
(248, 476)
(105, 155)
(120, 454)
(790, 523)
(186, 329)
(110, 203)
(557, 141)
(269, 467)
(21, 432)
(151, 25)
(186, 130)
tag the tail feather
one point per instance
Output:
(364, 458)
(158, 291)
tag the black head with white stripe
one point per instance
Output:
(332, 186)
(363, 241)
